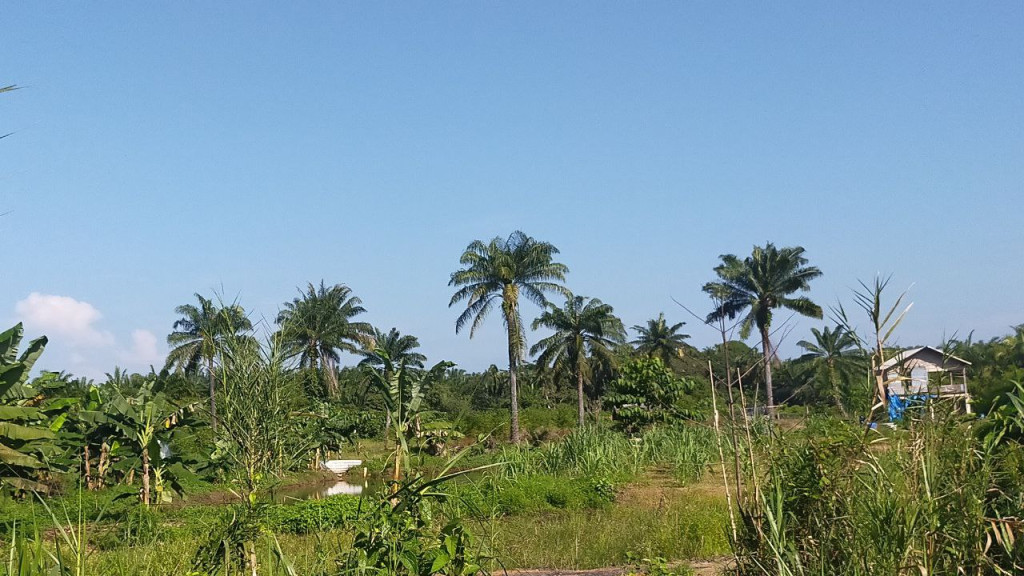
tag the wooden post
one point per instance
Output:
(967, 395)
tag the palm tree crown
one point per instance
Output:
(659, 340)
(497, 273)
(758, 284)
(318, 324)
(585, 332)
(834, 353)
(198, 336)
(394, 346)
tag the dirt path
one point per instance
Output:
(714, 567)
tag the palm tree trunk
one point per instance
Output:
(837, 395)
(332, 377)
(579, 394)
(513, 364)
(767, 353)
(213, 395)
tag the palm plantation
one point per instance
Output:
(319, 324)
(757, 285)
(585, 332)
(498, 272)
(659, 340)
(198, 336)
(835, 355)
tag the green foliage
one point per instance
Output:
(139, 527)
(333, 425)
(995, 365)
(311, 516)
(256, 433)
(538, 422)
(586, 331)
(659, 340)
(198, 336)
(536, 493)
(836, 362)
(143, 423)
(596, 453)
(403, 390)
(646, 393)
(318, 325)
(398, 347)
(497, 273)
(28, 420)
(931, 499)
(1006, 421)
(397, 535)
(757, 285)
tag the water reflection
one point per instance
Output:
(324, 490)
(344, 488)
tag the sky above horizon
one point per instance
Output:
(245, 149)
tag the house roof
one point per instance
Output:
(945, 359)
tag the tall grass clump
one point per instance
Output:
(597, 452)
(935, 497)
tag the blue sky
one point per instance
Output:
(248, 148)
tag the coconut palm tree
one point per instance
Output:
(198, 336)
(659, 340)
(318, 325)
(758, 284)
(835, 354)
(499, 272)
(586, 332)
(397, 347)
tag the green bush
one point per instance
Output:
(314, 515)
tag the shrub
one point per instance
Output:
(647, 392)
(314, 515)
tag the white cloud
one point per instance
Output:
(63, 317)
(77, 341)
(143, 352)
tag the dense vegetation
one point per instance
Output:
(611, 442)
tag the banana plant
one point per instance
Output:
(145, 422)
(403, 389)
(27, 423)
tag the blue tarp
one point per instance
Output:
(899, 404)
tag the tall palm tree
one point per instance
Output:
(318, 325)
(586, 332)
(834, 354)
(394, 346)
(759, 284)
(198, 336)
(498, 272)
(659, 340)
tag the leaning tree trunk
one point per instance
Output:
(766, 350)
(579, 395)
(513, 364)
(213, 395)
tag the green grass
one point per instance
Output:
(570, 503)
(687, 525)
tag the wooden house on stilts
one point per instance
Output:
(927, 372)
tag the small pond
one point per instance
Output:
(318, 490)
